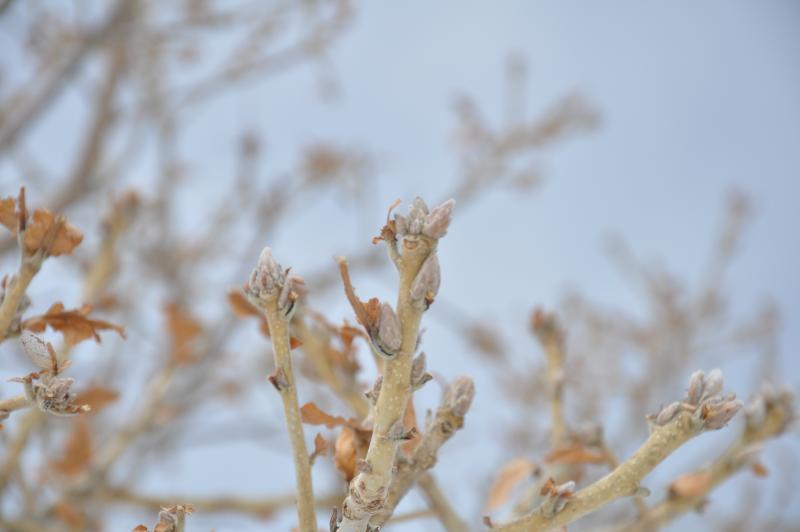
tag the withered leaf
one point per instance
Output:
(242, 308)
(691, 484)
(350, 447)
(576, 454)
(366, 314)
(508, 478)
(77, 450)
(69, 515)
(320, 448)
(183, 330)
(96, 397)
(67, 236)
(141, 528)
(74, 325)
(8, 214)
(759, 469)
(310, 413)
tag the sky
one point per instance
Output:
(696, 99)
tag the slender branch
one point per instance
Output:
(551, 337)
(314, 347)
(369, 488)
(45, 92)
(15, 291)
(123, 438)
(703, 408)
(778, 412)
(437, 501)
(279, 332)
(258, 507)
(622, 482)
(613, 463)
(17, 402)
(16, 446)
(449, 418)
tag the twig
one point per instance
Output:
(257, 507)
(449, 418)
(15, 291)
(274, 292)
(437, 501)
(46, 91)
(778, 412)
(369, 488)
(704, 408)
(418, 267)
(17, 402)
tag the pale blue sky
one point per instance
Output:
(696, 99)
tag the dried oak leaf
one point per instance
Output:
(576, 454)
(508, 478)
(350, 447)
(74, 325)
(367, 314)
(8, 214)
(69, 515)
(759, 469)
(691, 484)
(96, 397)
(242, 308)
(320, 448)
(310, 413)
(66, 239)
(183, 330)
(77, 450)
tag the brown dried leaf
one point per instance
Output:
(241, 307)
(69, 515)
(66, 239)
(367, 315)
(310, 413)
(96, 397)
(8, 214)
(691, 484)
(576, 454)
(759, 469)
(77, 450)
(320, 448)
(183, 329)
(508, 478)
(74, 325)
(141, 528)
(349, 449)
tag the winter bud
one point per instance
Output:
(459, 395)
(426, 283)
(389, 337)
(696, 386)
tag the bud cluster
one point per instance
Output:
(269, 281)
(770, 402)
(49, 392)
(557, 496)
(420, 223)
(710, 409)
